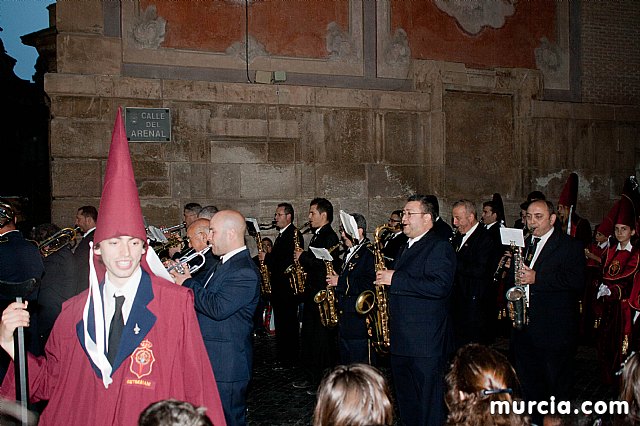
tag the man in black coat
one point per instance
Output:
(283, 300)
(395, 239)
(474, 297)
(319, 343)
(420, 287)
(545, 347)
(440, 227)
(58, 283)
(86, 219)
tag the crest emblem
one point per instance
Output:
(614, 268)
(142, 360)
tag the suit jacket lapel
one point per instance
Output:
(548, 248)
(140, 319)
(139, 323)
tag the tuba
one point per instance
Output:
(60, 239)
(297, 275)
(517, 295)
(326, 299)
(374, 304)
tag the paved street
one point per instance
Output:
(274, 401)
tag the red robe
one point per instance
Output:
(170, 361)
(618, 273)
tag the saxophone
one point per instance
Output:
(265, 282)
(378, 318)
(297, 275)
(326, 300)
(517, 295)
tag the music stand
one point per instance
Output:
(19, 291)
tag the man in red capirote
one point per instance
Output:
(131, 339)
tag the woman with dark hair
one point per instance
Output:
(353, 395)
(479, 375)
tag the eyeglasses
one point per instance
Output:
(409, 214)
(394, 220)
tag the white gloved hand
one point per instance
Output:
(603, 290)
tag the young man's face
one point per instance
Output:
(121, 256)
(624, 233)
(488, 216)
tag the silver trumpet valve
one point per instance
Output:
(188, 258)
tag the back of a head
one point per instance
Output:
(171, 412)
(630, 387)
(354, 395)
(478, 376)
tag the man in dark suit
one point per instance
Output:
(225, 301)
(283, 301)
(319, 343)
(477, 256)
(545, 347)
(395, 239)
(420, 287)
(440, 227)
(86, 219)
(198, 239)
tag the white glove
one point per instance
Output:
(603, 290)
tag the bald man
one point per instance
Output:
(225, 300)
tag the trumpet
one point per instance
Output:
(60, 239)
(174, 228)
(306, 228)
(188, 258)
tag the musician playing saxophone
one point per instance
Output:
(420, 286)
(358, 274)
(319, 345)
(553, 274)
(283, 301)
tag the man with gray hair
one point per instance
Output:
(477, 255)
(207, 212)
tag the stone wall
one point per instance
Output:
(357, 129)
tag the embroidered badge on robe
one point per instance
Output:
(614, 268)
(141, 364)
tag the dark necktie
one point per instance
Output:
(531, 250)
(115, 330)
(457, 241)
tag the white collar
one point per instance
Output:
(628, 247)
(412, 241)
(281, 231)
(229, 255)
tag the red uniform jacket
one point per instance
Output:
(161, 356)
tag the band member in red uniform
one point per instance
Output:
(619, 270)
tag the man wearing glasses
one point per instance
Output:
(396, 240)
(420, 288)
(283, 301)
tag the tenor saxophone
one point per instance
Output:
(517, 295)
(297, 275)
(265, 275)
(326, 300)
(374, 304)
